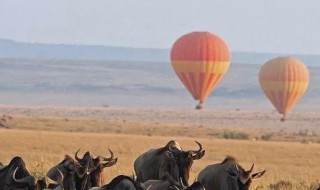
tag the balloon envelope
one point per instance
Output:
(284, 81)
(200, 60)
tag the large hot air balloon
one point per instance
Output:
(284, 80)
(200, 60)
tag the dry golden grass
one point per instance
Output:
(144, 127)
(42, 136)
(293, 163)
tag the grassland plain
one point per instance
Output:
(43, 141)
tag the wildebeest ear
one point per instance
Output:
(199, 155)
(258, 175)
(232, 173)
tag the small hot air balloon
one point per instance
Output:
(200, 60)
(284, 81)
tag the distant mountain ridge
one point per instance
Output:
(13, 49)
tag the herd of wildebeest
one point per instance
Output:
(161, 168)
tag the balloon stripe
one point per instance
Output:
(208, 87)
(184, 81)
(277, 102)
(209, 84)
(293, 99)
(201, 66)
(202, 83)
(214, 83)
(188, 84)
(192, 78)
(272, 99)
(276, 95)
(281, 99)
(289, 97)
(280, 85)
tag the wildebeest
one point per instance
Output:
(153, 164)
(228, 175)
(121, 182)
(93, 177)
(15, 176)
(68, 167)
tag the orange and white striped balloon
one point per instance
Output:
(200, 60)
(284, 81)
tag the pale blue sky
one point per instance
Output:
(279, 26)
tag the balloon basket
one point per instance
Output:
(199, 107)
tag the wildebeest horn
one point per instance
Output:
(19, 181)
(110, 158)
(200, 147)
(76, 156)
(251, 169)
(197, 154)
(134, 176)
(237, 168)
(50, 181)
(110, 163)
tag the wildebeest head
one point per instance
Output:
(87, 157)
(185, 160)
(96, 166)
(99, 163)
(242, 177)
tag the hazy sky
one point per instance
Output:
(280, 26)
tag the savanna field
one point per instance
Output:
(43, 136)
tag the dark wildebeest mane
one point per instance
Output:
(16, 161)
(229, 159)
(116, 181)
(66, 158)
(165, 148)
